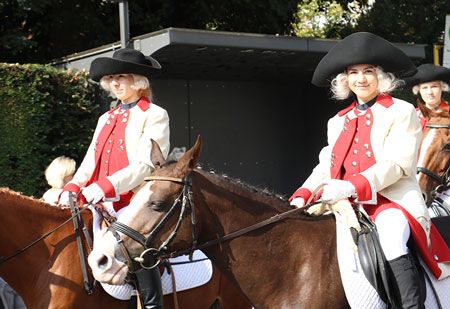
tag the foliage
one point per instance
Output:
(408, 21)
(45, 113)
(39, 31)
(325, 19)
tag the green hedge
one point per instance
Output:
(44, 113)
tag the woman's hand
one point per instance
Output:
(65, 198)
(298, 202)
(336, 189)
(93, 193)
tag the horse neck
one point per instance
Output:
(221, 195)
(259, 255)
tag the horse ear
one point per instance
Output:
(156, 155)
(190, 158)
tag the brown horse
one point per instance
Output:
(288, 264)
(434, 158)
(48, 274)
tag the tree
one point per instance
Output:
(39, 31)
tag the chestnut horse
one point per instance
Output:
(434, 158)
(288, 264)
(48, 274)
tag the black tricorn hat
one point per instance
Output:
(362, 48)
(124, 60)
(429, 72)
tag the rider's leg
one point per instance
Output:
(149, 287)
(394, 232)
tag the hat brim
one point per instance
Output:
(362, 48)
(429, 72)
(107, 66)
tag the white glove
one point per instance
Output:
(93, 193)
(298, 202)
(64, 198)
(336, 189)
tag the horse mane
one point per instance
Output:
(242, 188)
(18, 199)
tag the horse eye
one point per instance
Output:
(158, 205)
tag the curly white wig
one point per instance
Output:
(387, 82)
(141, 84)
(59, 168)
(444, 87)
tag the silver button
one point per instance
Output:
(366, 146)
(124, 120)
(120, 141)
(355, 151)
(354, 163)
(367, 116)
(368, 122)
(436, 257)
(108, 151)
(110, 141)
(108, 122)
(113, 133)
(356, 140)
(368, 154)
(347, 120)
(121, 148)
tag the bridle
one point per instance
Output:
(444, 180)
(150, 257)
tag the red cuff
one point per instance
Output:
(301, 192)
(107, 187)
(362, 186)
(72, 188)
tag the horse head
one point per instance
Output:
(434, 159)
(155, 215)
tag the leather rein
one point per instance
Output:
(186, 202)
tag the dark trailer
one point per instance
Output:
(248, 95)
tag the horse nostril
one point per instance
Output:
(102, 262)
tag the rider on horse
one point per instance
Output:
(430, 81)
(372, 150)
(118, 158)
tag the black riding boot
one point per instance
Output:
(410, 283)
(149, 287)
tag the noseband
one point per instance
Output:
(149, 257)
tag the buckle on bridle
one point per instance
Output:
(148, 258)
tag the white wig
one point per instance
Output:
(141, 84)
(444, 87)
(387, 82)
(60, 168)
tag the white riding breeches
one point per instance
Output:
(393, 230)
